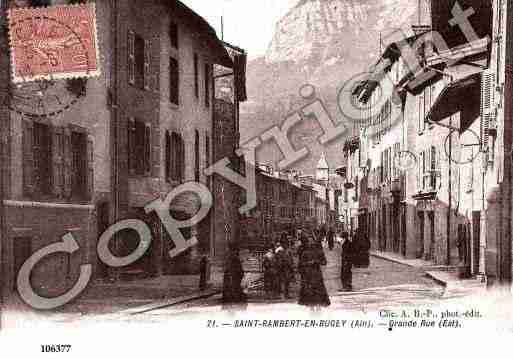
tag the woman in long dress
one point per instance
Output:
(313, 292)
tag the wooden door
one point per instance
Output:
(22, 251)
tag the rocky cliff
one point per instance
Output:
(320, 42)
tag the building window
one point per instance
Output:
(433, 168)
(147, 65)
(177, 158)
(174, 81)
(173, 34)
(196, 75)
(208, 74)
(79, 164)
(139, 61)
(57, 162)
(131, 57)
(196, 156)
(42, 152)
(207, 158)
(139, 147)
(424, 166)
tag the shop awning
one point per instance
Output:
(463, 95)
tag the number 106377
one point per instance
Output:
(55, 348)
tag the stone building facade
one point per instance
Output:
(426, 168)
(139, 130)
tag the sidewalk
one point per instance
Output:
(102, 297)
(147, 294)
(447, 276)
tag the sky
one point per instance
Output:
(249, 24)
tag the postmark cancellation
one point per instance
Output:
(56, 42)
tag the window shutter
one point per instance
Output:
(179, 158)
(90, 167)
(131, 146)
(387, 164)
(196, 75)
(419, 173)
(391, 163)
(28, 158)
(68, 163)
(131, 57)
(182, 159)
(381, 169)
(147, 149)
(58, 161)
(196, 156)
(147, 67)
(155, 65)
(487, 106)
(174, 81)
(174, 157)
(167, 157)
(208, 74)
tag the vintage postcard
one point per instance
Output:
(237, 177)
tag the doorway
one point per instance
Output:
(383, 233)
(420, 243)
(22, 248)
(476, 235)
(431, 254)
(403, 229)
(102, 223)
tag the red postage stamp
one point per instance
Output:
(55, 42)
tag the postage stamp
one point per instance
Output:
(56, 42)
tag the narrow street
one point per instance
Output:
(384, 284)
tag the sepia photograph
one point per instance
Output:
(197, 177)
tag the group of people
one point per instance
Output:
(278, 267)
(283, 260)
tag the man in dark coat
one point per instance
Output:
(330, 237)
(347, 255)
(361, 248)
(233, 275)
(285, 269)
(269, 267)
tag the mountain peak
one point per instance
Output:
(315, 29)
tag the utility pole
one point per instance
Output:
(449, 210)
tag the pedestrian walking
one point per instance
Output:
(269, 267)
(313, 292)
(331, 238)
(361, 248)
(346, 265)
(345, 235)
(232, 279)
(285, 270)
